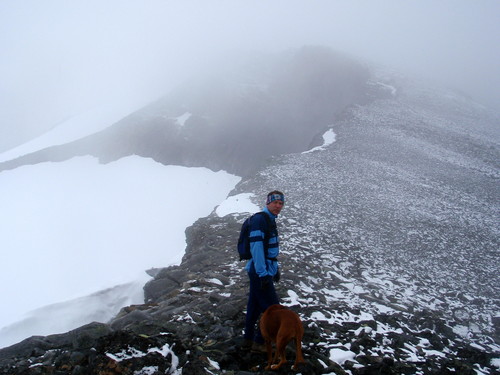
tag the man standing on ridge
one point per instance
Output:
(263, 268)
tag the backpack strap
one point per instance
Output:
(267, 233)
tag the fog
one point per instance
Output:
(59, 59)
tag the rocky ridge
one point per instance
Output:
(192, 321)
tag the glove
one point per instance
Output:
(265, 282)
(277, 277)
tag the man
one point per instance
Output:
(263, 268)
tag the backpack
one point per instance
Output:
(244, 240)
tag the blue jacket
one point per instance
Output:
(263, 266)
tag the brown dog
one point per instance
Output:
(281, 325)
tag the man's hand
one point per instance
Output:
(265, 281)
(277, 277)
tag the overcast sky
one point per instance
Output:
(59, 58)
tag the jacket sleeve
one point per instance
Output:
(257, 236)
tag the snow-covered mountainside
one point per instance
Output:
(390, 249)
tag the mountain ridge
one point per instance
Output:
(290, 98)
(389, 254)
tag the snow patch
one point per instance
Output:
(213, 364)
(132, 352)
(340, 355)
(181, 120)
(96, 225)
(328, 138)
(240, 203)
(384, 86)
(495, 362)
(76, 127)
(215, 281)
(148, 370)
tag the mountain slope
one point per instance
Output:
(265, 108)
(390, 255)
(420, 208)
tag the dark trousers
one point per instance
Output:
(258, 301)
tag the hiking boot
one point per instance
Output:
(259, 348)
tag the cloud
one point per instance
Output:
(60, 58)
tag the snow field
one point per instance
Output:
(73, 228)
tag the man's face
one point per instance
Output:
(275, 207)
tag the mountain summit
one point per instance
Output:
(390, 232)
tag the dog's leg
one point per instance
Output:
(298, 353)
(275, 357)
(269, 348)
(281, 343)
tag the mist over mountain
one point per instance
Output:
(272, 105)
(390, 234)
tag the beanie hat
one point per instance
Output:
(275, 197)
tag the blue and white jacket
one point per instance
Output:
(263, 267)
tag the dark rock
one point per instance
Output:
(133, 317)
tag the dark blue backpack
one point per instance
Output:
(244, 239)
